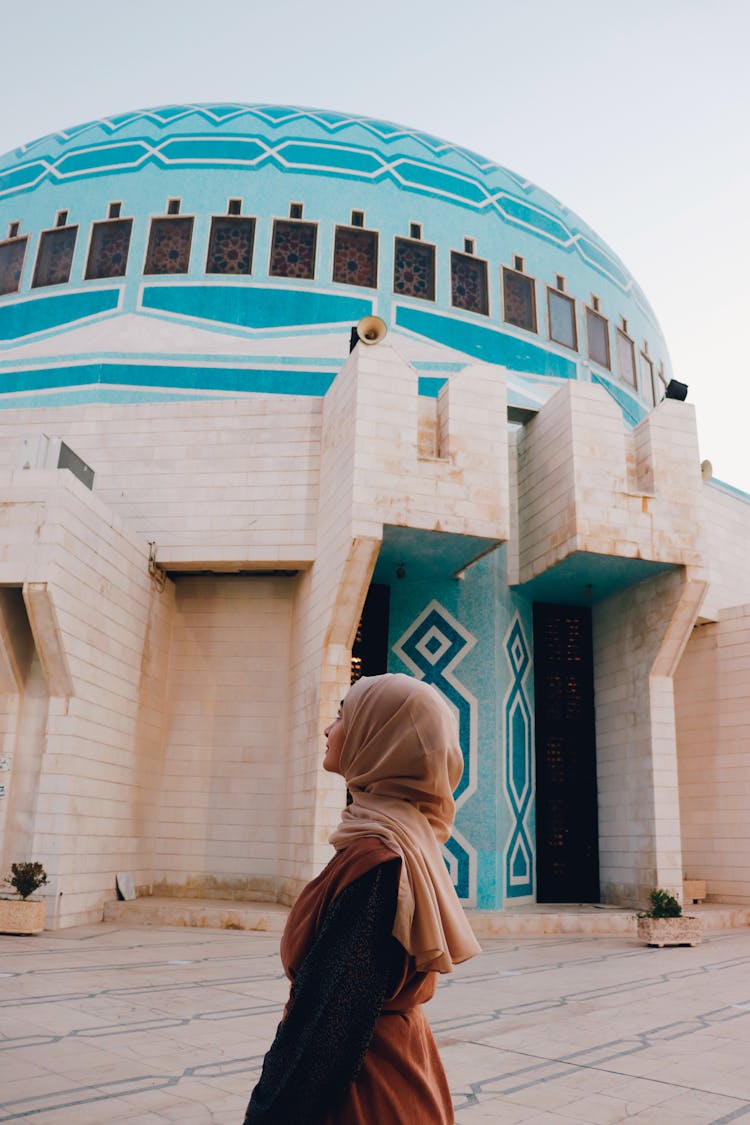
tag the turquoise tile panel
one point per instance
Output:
(330, 157)
(124, 154)
(486, 344)
(441, 182)
(42, 313)
(15, 179)
(259, 381)
(255, 307)
(630, 406)
(471, 639)
(225, 150)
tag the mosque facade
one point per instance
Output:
(219, 505)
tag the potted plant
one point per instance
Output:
(665, 924)
(19, 913)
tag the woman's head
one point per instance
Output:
(397, 737)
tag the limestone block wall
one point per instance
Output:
(372, 474)
(82, 642)
(639, 636)
(727, 538)
(713, 731)
(221, 483)
(586, 484)
(219, 827)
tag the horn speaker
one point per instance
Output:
(371, 330)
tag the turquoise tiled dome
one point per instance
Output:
(430, 213)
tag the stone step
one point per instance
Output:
(535, 919)
(567, 918)
(220, 914)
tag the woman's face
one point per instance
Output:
(334, 733)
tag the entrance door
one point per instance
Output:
(566, 811)
(370, 649)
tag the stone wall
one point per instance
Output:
(639, 636)
(83, 701)
(713, 730)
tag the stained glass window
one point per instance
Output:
(562, 319)
(355, 256)
(108, 252)
(55, 256)
(169, 246)
(230, 247)
(626, 358)
(597, 331)
(519, 300)
(293, 249)
(11, 264)
(648, 386)
(469, 288)
(414, 269)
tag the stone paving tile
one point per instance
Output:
(149, 1025)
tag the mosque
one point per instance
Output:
(289, 396)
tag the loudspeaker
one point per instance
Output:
(371, 330)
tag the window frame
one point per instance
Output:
(480, 263)
(645, 359)
(169, 219)
(9, 242)
(429, 246)
(287, 221)
(89, 247)
(357, 230)
(594, 314)
(560, 294)
(507, 270)
(42, 235)
(252, 220)
(621, 334)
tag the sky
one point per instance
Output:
(634, 114)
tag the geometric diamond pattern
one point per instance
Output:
(519, 851)
(431, 648)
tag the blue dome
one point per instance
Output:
(324, 218)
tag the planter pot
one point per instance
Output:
(21, 916)
(685, 930)
(693, 890)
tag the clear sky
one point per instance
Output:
(635, 114)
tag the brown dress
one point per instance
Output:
(354, 1047)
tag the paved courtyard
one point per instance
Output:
(104, 1024)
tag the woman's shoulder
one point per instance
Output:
(365, 852)
(357, 859)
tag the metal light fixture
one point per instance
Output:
(675, 390)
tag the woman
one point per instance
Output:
(365, 941)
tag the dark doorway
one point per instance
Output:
(566, 810)
(370, 648)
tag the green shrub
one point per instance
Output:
(27, 877)
(663, 905)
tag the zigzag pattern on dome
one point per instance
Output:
(275, 115)
(454, 174)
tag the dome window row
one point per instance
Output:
(293, 253)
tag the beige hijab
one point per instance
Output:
(401, 761)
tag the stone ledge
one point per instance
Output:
(221, 914)
(532, 920)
